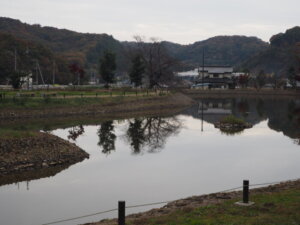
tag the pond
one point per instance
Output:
(153, 159)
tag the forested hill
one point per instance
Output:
(28, 54)
(85, 49)
(220, 50)
(283, 53)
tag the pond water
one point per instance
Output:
(154, 159)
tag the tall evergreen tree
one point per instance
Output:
(137, 70)
(292, 77)
(107, 67)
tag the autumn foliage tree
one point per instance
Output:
(77, 71)
(243, 80)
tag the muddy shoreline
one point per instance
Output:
(195, 202)
(41, 151)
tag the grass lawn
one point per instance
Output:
(279, 208)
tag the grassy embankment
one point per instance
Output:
(48, 99)
(273, 208)
(274, 205)
(23, 109)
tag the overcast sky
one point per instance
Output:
(181, 21)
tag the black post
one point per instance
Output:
(121, 210)
(246, 191)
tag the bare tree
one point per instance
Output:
(158, 63)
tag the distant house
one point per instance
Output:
(211, 77)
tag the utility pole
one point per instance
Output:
(203, 69)
(15, 60)
(36, 73)
(53, 77)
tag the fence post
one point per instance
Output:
(121, 210)
(246, 191)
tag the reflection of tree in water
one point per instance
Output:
(294, 117)
(243, 107)
(151, 132)
(260, 108)
(135, 133)
(107, 137)
(75, 132)
(297, 141)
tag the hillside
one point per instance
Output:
(283, 52)
(28, 53)
(85, 49)
(220, 50)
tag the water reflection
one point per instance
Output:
(142, 134)
(150, 134)
(282, 115)
(75, 132)
(107, 137)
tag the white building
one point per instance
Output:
(210, 76)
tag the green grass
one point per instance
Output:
(9, 133)
(231, 119)
(78, 92)
(51, 102)
(275, 208)
(68, 98)
(33, 103)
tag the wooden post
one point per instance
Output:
(246, 191)
(121, 210)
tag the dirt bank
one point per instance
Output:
(124, 105)
(34, 153)
(195, 202)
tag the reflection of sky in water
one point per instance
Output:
(191, 163)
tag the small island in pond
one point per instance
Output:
(231, 125)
